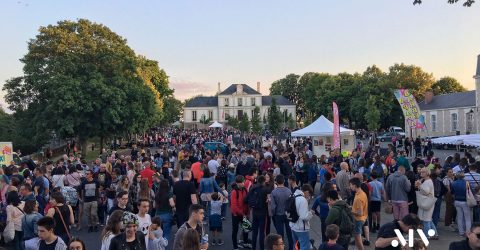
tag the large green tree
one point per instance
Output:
(244, 124)
(372, 114)
(447, 85)
(289, 87)
(80, 79)
(255, 121)
(274, 118)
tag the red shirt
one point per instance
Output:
(148, 174)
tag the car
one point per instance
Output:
(388, 136)
(214, 145)
(398, 130)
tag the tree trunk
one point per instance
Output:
(101, 144)
(83, 143)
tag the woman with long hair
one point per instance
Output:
(133, 191)
(112, 229)
(62, 214)
(208, 186)
(164, 204)
(15, 215)
(29, 221)
(191, 240)
(76, 244)
(123, 185)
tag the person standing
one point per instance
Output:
(15, 215)
(378, 193)
(359, 210)
(185, 195)
(239, 210)
(62, 214)
(343, 177)
(449, 200)
(459, 191)
(257, 201)
(397, 189)
(164, 205)
(425, 187)
(131, 238)
(387, 234)
(301, 227)
(279, 197)
(89, 192)
(144, 219)
(46, 239)
(195, 219)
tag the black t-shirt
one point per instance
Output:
(89, 189)
(387, 231)
(116, 207)
(183, 191)
(45, 246)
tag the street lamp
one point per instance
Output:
(470, 118)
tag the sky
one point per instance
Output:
(200, 43)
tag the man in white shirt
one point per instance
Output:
(144, 219)
(473, 177)
(301, 227)
(213, 166)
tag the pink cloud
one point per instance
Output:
(185, 89)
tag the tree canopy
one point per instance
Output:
(447, 85)
(80, 79)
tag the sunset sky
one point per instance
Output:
(199, 43)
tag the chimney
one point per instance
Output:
(239, 89)
(428, 96)
(219, 87)
(258, 87)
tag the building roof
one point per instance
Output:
(447, 101)
(203, 101)
(281, 100)
(246, 89)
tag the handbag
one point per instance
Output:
(9, 232)
(425, 202)
(471, 201)
(63, 221)
(388, 208)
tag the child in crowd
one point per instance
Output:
(231, 176)
(155, 236)
(224, 193)
(215, 219)
(418, 244)
(276, 169)
(332, 232)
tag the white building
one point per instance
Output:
(236, 100)
(451, 114)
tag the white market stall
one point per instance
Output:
(321, 132)
(467, 140)
(216, 125)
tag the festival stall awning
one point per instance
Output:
(467, 140)
(321, 127)
(216, 125)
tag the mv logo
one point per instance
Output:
(403, 241)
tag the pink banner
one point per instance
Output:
(336, 127)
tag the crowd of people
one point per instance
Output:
(135, 199)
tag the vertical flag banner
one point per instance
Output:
(411, 111)
(6, 153)
(336, 127)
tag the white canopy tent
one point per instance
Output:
(467, 140)
(321, 127)
(216, 125)
(321, 132)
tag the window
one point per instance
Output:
(252, 100)
(210, 114)
(240, 101)
(194, 115)
(454, 121)
(469, 121)
(253, 113)
(227, 114)
(227, 102)
(433, 121)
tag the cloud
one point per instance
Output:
(185, 88)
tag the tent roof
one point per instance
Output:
(216, 125)
(468, 140)
(321, 127)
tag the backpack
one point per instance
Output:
(346, 221)
(378, 169)
(254, 198)
(291, 208)
(70, 194)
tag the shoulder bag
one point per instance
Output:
(63, 221)
(471, 201)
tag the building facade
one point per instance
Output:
(451, 114)
(235, 101)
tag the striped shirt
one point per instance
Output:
(473, 178)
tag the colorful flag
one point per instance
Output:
(411, 111)
(336, 127)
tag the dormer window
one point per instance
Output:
(227, 102)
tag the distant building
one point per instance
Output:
(235, 101)
(451, 114)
